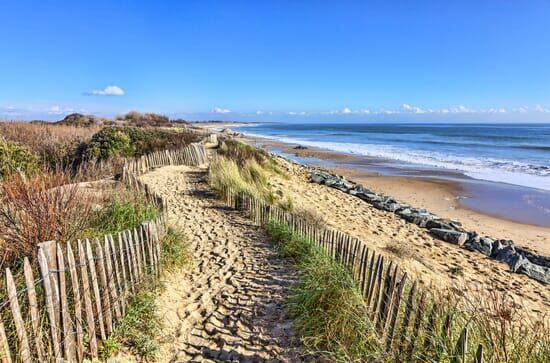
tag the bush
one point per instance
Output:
(79, 120)
(133, 141)
(134, 118)
(16, 159)
(39, 209)
(56, 146)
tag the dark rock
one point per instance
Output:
(317, 178)
(537, 260)
(507, 254)
(499, 245)
(478, 243)
(438, 223)
(539, 273)
(392, 207)
(300, 147)
(449, 235)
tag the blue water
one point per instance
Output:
(517, 154)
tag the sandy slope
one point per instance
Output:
(427, 258)
(228, 306)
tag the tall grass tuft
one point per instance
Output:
(123, 211)
(330, 313)
(250, 178)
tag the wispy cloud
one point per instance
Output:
(221, 110)
(107, 91)
(57, 110)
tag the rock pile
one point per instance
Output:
(519, 260)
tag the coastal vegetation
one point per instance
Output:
(42, 199)
(334, 319)
(86, 146)
(327, 305)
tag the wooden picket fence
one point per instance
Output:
(83, 288)
(406, 316)
(81, 292)
(193, 154)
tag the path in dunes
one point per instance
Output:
(228, 305)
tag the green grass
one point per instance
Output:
(123, 212)
(175, 251)
(327, 305)
(138, 329)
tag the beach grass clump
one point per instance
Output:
(250, 178)
(120, 211)
(327, 305)
(175, 250)
(138, 329)
(242, 153)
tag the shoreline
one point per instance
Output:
(440, 195)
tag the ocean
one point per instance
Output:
(511, 162)
(517, 154)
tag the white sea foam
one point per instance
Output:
(490, 169)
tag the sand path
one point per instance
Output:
(228, 305)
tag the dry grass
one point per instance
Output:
(39, 209)
(54, 145)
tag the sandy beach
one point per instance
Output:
(440, 196)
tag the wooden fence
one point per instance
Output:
(81, 290)
(406, 316)
(193, 154)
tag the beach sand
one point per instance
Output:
(439, 196)
(431, 261)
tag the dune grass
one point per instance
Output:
(327, 305)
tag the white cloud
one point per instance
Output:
(107, 91)
(57, 110)
(539, 108)
(346, 110)
(221, 110)
(415, 109)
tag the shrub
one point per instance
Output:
(79, 120)
(133, 141)
(134, 118)
(16, 159)
(54, 145)
(39, 209)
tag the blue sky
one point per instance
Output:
(278, 60)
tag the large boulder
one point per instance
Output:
(449, 235)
